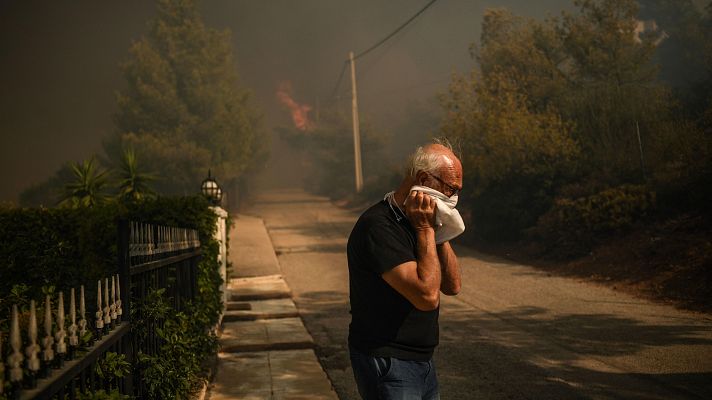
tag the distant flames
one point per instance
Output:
(300, 112)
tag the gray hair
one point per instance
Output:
(429, 162)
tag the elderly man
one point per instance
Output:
(396, 274)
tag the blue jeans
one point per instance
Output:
(388, 378)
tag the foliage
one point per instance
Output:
(193, 213)
(68, 247)
(187, 338)
(604, 44)
(572, 225)
(82, 185)
(525, 49)
(110, 368)
(514, 157)
(102, 395)
(174, 371)
(56, 249)
(132, 183)
(87, 189)
(113, 365)
(182, 105)
(60, 246)
(614, 85)
(567, 99)
(592, 67)
(16, 296)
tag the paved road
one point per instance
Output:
(512, 333)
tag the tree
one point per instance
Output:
(526, 50)
(133, 184)
(88, 186)
(613, 86)
(605, 43)
(182, 110)
(565, 107)
(515, 157)
(594, 68)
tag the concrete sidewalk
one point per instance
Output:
(265, 350)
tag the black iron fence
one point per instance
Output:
(97, 351)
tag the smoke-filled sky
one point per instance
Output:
(59, 63)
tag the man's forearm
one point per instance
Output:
(419, 280)
(428, 262)
(450, 269)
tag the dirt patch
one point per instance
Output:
(667, 261)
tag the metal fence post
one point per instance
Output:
(124, 261)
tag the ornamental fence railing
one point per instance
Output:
(72, 355)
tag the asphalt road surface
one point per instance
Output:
(512, 333)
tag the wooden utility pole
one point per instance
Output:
(357, 134)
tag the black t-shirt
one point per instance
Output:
(383, 322)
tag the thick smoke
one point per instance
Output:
(59, 68)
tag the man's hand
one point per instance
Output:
(420, 210)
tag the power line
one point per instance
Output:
(338, 81)
(371, 63)
(363, 53)
(422, 10)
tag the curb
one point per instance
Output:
(255, 317)
(261, 296)
(251, 348)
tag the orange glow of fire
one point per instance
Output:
(300, 112)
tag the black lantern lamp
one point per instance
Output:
(211, 189)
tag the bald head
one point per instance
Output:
(434, 165)
(448, 161)
(433, 158)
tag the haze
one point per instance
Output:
(59, 64)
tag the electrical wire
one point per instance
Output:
(422, 10)
(369, 64)
(338, 81)
(363, 53)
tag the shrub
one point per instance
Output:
(56, 247)
(53, 250)
(174, 372)
(66, 248)
(572, 226)
(102, 395)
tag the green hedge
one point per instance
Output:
(48, 250)
(40, 248)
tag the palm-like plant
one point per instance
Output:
(133, 184)
(87, 189)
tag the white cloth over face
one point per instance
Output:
(448, 222)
